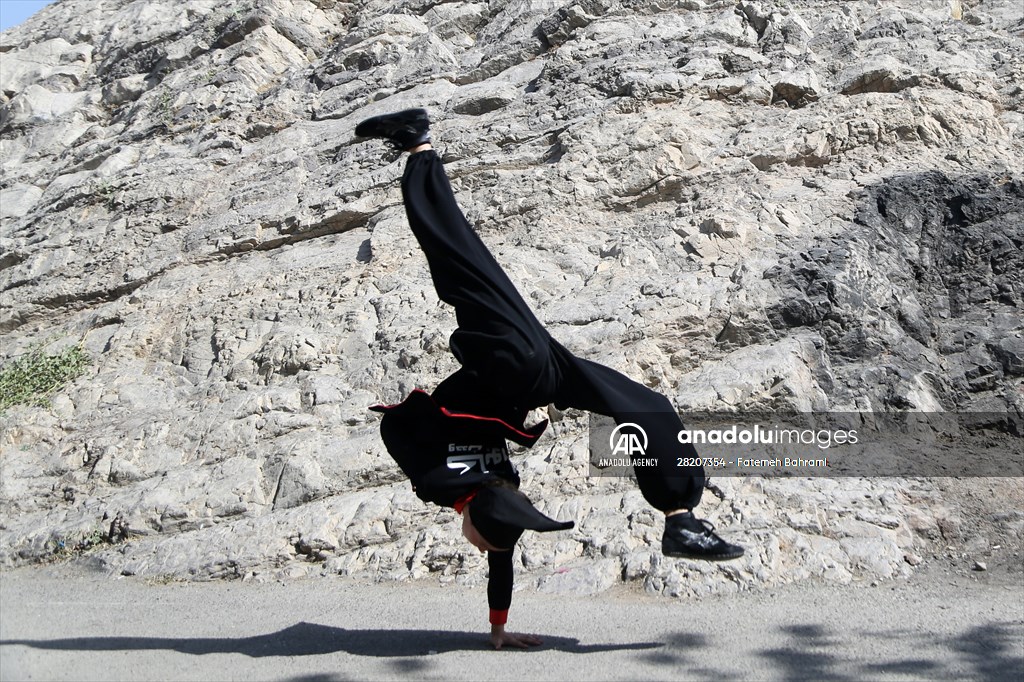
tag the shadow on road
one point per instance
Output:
(310, 639)
(994, 651)
(805, 652)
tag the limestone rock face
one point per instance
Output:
(812, 206)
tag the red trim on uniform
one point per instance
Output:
(462, 415)
(499, 617)
(461, 503)
(384, 408)
(415, 400)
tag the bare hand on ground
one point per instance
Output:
(500, 638)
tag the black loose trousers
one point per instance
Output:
(510, 364)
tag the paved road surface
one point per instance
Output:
(58, 625)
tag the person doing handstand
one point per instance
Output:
(452, 443)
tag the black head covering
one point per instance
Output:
(501, 514)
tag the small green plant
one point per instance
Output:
(35, 376)
(105, 191)
(89, 540)
(165, 579)
(163, 107)
(70, 545)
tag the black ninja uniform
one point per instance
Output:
(452, 441)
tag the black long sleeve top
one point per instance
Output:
(499, 585)
(447, 455)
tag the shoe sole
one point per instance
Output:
(703, 557)
(366, 128)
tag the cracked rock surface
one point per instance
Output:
(811, 206)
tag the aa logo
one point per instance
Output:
(628, 439)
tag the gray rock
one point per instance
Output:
(796, 88)
(18, 200)
(883, 75)
(36, 105)
(124, 90)
(813, 207)
(474, 100)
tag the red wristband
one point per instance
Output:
(461, 503)
(499, 617)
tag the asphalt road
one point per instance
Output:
(59, 625)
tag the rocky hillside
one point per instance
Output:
(777, 204)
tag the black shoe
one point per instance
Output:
(404, 129)
(688, 537)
